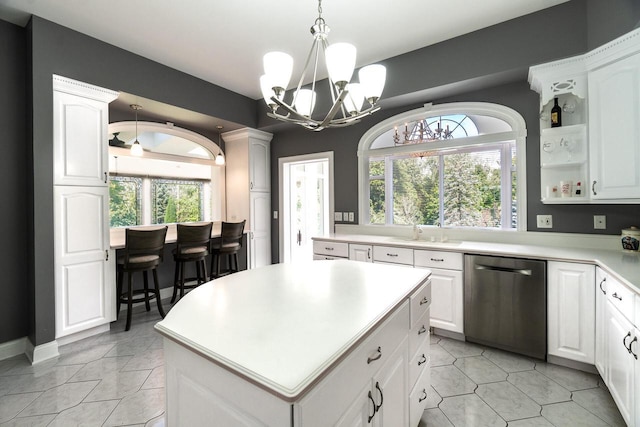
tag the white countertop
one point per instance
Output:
(283, 326)
(625, 265)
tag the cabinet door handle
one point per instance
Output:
(615, 295)
(381, 397)
(422, 360)
(635, 339)
(391, 255)
(105, 177)
(424, 395)
(593, 188)
(328, 248)
(376, 357)
(424, 301)
(437, 259)
(422, 330)
(601, 282)
(374, 408)
(106, 254)
(251, 185)
(624, 342)
(369, 253)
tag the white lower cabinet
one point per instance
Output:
(601, 306)
(571, 311)
(360, 252)
(447, 310)
(393, 255)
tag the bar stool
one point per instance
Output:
(193, 245)
(229, 245)
(142, 252)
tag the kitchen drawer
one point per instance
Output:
(419, 333)
(334, 249)
(419, 362)
(393, 255)
(342, 385)
(420, 302)
(621, 297)
(438, 259)
(418, 396)
(317, 257)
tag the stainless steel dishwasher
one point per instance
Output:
(505, 303)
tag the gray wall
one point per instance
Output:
(489, 65)
(14, 266)
(58, 50)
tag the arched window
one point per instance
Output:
(175, 180)
(450, 165)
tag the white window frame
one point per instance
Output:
(518, 134)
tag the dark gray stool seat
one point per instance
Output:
(192, 245)
(142, 252)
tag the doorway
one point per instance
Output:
(306, 203)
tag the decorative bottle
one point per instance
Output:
(556, 114)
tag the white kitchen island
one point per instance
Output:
(317, 343)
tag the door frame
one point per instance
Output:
(282, 162)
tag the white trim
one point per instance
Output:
(86, 90)
(205, 142)
(41, 353)
(507, 114)
(326, 155)
(13, 348)
(68, 339)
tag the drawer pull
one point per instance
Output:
(422, 330)
(381, 397)
(615, 295)
(424, 301)
(624, 342)
(422, 360)
(424, 395)
(635, 339)
(376, 357)
(437, 259)
(328, 248)
(391, 255)
(601, 282)
(374, 408)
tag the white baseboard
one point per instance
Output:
(13, 348)
(41, 353)
(68, 339)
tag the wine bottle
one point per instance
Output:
(556, 114)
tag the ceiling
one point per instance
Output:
(223, 41)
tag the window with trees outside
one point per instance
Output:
(454, 165)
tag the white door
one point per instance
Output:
(306, 201)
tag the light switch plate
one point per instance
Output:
(337, 216)
(351, 217)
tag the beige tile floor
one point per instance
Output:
(117, 378)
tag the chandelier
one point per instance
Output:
(421, 133)
(348, 98)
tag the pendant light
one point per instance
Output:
(136, 147)
(219, 156)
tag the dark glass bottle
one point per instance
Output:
(556, 114)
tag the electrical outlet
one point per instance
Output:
(351, 217)
(599, 222)
(544, 221)
(337, 216)
(275, 214)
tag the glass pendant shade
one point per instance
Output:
(305, 100)
(354, 100)
(220, 159)
(267, 89)
(278, 66)
(341, 60)
(372, 79)
(136, 149)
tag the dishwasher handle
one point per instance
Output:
(524, 272)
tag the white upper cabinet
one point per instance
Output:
(598, 143)
(259, 176)
(80, 120)
(614, 93)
